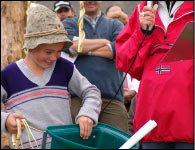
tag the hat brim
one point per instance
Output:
(61, 6)
(33, 42)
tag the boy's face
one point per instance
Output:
(45, 55)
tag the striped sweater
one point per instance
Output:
(45, 101)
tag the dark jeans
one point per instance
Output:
(167, 145)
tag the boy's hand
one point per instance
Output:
(11, 123)
(86, 125)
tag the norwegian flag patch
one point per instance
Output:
(163, 69)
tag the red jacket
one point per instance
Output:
(166, 98)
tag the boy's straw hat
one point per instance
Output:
(44, 27)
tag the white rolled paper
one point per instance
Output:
(151, 124)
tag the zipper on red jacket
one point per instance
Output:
(165, 36)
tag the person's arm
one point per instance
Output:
(117, 26)
(135, 85)
(8, 121)
(104, 52)
(91, 98)
(109, 51)
(4, 115)
(95, 47)
(90, 45)
(131, 90)
(127, 44)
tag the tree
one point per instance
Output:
(13, 24)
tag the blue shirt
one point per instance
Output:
(99, 71)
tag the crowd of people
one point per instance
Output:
(85, 87)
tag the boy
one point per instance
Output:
(37, 87)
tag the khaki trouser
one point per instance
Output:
(132, 114)
(115, 113)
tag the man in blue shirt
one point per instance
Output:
(97, 62)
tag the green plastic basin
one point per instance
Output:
(103, 137)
